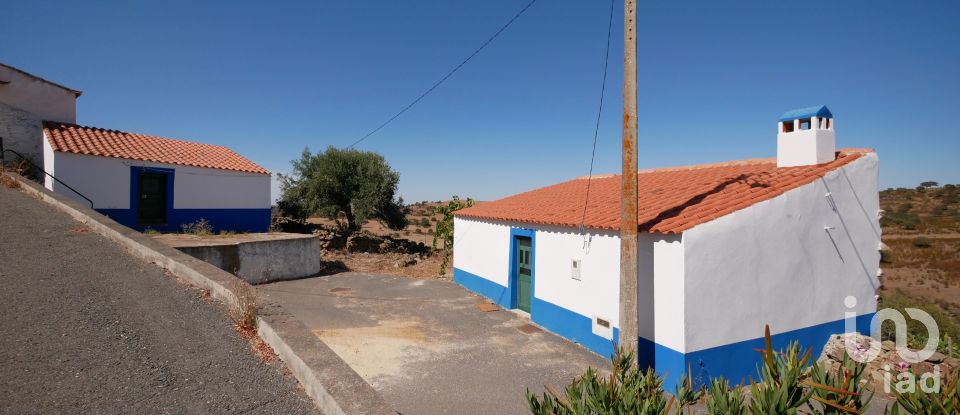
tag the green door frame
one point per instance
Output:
(512, 282)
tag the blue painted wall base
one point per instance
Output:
(237, 220)
(737, 361)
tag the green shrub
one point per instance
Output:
(444, 230)
(921, 242)
(948, 323)
(628, 390)
(780, 390)
(721, 400)
(944, 402)
(840, 392)
(786, 387)
(149, 231)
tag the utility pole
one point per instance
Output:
(628, 183)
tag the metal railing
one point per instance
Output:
(3, 160)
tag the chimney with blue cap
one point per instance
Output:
(806, 137)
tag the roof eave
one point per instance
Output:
(75, 92)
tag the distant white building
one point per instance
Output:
(25, 101)
(724, 249)
(141, 181)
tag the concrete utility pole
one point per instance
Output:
(628, 184)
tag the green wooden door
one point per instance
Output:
(524, 273)
(152, 199)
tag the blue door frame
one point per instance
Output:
(512, 281)
(135, 172)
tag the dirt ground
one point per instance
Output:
(921, 228)
(928, 272)
(383, 264)
(422, 224)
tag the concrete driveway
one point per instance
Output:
(427, 346)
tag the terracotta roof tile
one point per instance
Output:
(70, 138)
(671, 200)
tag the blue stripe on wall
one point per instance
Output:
(736, 361)
(496, 292)
(557, 319)
(238, 220)
(572, 326)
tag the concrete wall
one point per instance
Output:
(197, 192)
(263, 261)
(788, 262)
(46, 101)
(21, 132)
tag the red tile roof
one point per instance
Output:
(671, 200)
(70, 138)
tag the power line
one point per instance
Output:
(596, 128)
(445, 77)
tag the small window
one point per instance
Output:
(787, 126)
(805, 124)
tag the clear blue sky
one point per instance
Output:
(269, 78)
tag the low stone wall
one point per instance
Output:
(256, 258)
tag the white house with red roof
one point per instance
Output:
(141, 181)
(724, 249)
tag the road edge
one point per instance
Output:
(330, 382)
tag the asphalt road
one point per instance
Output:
(86, 328)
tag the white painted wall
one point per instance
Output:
(106, 180)
(46, 101)
(480, 248)
(50, 167)
(774, 263)
(806, 147)
(660, 286)
(596, 294)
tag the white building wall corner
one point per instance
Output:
(596, 294)
(660, 286)
(106, 181)
(49, 163)
(788, 262)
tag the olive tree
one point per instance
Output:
(346, 185)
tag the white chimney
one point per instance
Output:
(806, 137)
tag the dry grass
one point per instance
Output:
(9, 182)
(922, 267)
(422, 223)
(244, 314)
(384, 264)
(929, 271)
